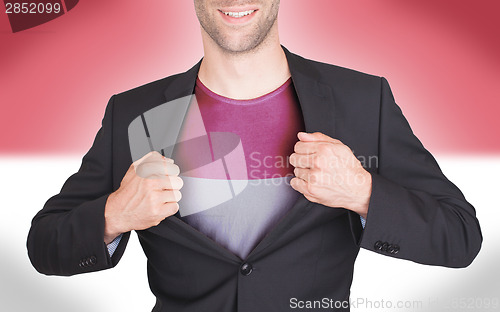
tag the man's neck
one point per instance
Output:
(244, 76)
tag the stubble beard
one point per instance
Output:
(247, 44)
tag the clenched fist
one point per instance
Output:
(327, 172)
(148, 193)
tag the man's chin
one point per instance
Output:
(239, 46)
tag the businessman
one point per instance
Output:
(260, 233)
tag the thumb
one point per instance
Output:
(152, 156)
(316, 137)
(144, 157)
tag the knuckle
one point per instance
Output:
(172, 208)
(314, 176)
(323, 148)
(169, 160)
(302, 161)
(317, 161)
(155, 155)
(148, 183)
(311, 190)
(143, 166)
(172, 169)
(154, 200)
(158, 219)
(317, 172)
(171, 183)
(345, 150)
(143, 170)
(328, 150)
(154, 210)
(311, 199)
(166, 183)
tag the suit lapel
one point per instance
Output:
(315, 98)
(318, 109)
(182, 84)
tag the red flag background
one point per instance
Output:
(440, 57)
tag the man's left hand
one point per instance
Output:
(327, 172)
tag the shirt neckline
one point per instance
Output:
(256, 100)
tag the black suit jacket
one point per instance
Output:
(415, 213)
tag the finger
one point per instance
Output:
(171, 196)
(304, 147)
(302, 173)
(311, 176)
(172, 169)
(152, 170)
(132, 170)
(298, 184)
(171, 208)
(172, 183)
(316, 137)
(164, 183)
(150, 155)
(158, 158)
(302, 161)
(301, 186)
(170, 160)
(157, 169)
(154, 156)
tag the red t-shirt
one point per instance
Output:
(234, 164)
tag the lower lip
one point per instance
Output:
(237, 20)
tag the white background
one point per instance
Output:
(379, 280)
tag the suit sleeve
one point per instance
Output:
(67, 235)
(415, 212)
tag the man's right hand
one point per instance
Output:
(148, 193)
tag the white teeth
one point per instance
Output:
(239, 14)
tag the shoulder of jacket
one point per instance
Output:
(338, 74)
(151, 89)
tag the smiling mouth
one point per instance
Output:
(239, 14)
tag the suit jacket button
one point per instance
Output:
(93, 260)
(246, 269)
(378, 245)
(385, 245)
(395, 249)
(390, 249)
